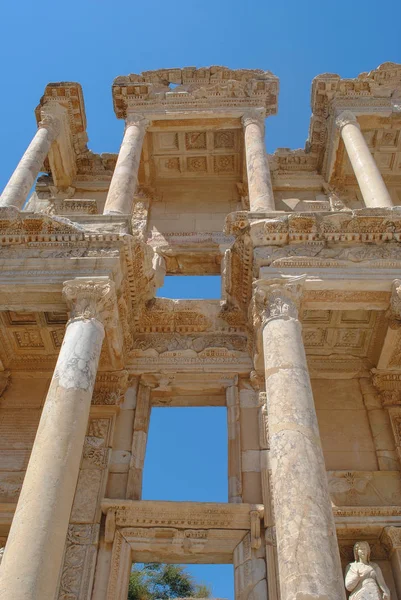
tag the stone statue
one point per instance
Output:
(363, 578)
(1, 554)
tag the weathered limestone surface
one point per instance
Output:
(370, 181)
(23, 178)
(309, 563)
(41, 519)
(309, 475)
(261, 197)
(125, 177)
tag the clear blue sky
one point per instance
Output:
(93, 41)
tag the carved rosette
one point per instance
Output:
(255, 116)
(89, 298)
(346, 118)
(137, 120)
(277, 299)
(51, 123)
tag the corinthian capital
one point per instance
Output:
(255, 115)
(345, 118)
(277, 298)
(391, 538)
(89, 298)
(138, 120)
(50, 122)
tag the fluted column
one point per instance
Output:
(261, 197)
(16, 191)
(35, 546)
(308, 556)
(371, 184)
(125, 177)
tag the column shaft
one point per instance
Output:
(16, 191)
(371, 184)
(261, 197)
(35, 546)
(125, 177)
(308, 556)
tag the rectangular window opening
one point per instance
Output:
(187, 455)
(155, 581)
(191, 287)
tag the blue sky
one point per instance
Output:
(93, 41)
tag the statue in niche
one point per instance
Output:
(363, 578)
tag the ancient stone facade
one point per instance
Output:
(304, 347)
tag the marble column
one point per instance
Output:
(35, 546)
(371, 184)
(261, 197)
(308, 556)
(17, 189)
(125, 177)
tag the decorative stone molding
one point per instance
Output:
(199, 89)
(277, 298)
(182, 515)
(346, 118)
(387, 381)
(88, 298)
(110, 388)
(79, 562)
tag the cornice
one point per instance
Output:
(363, 225)
(195, 89)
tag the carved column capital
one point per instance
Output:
(138, 120)
(277, 298)
(345, 118)
(255, 115)
(50, 122)
(89, 298)
(391, 539)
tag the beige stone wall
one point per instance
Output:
(201, 207)
(20, 409)
(344, 426)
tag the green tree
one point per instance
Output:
(162, 582)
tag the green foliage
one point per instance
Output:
(162, 582)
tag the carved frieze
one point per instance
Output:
(195, 88)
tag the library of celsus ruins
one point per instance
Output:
(303, 348)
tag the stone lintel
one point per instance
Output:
(182, 515)
(183, 383)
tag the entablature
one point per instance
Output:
(191, 88)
